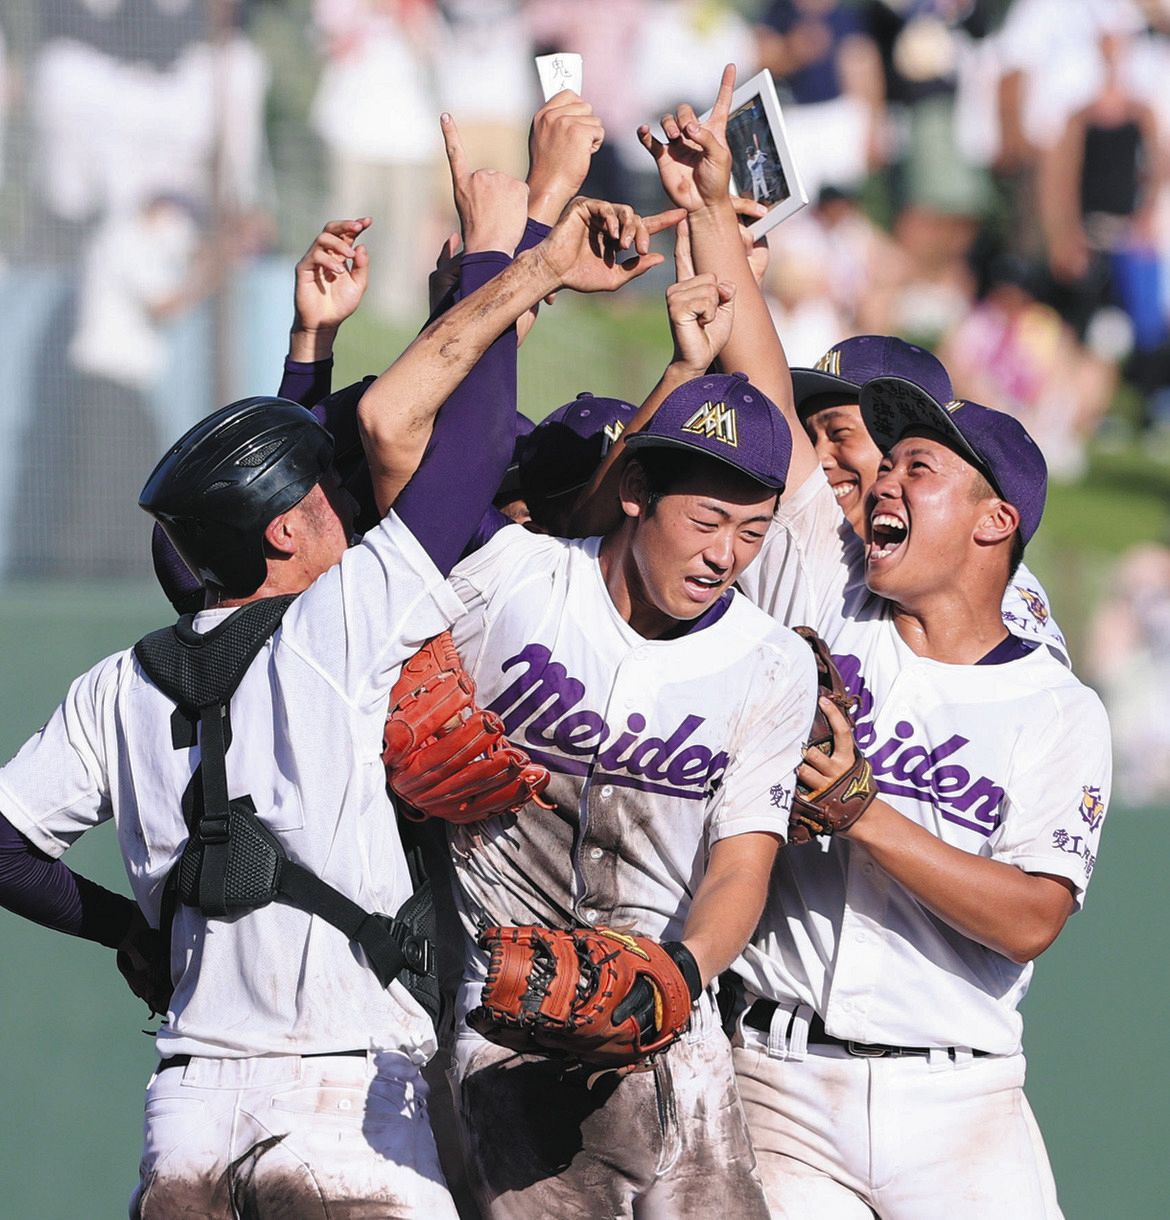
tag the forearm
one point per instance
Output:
(401, 405)
(445, 500)
(1012, 912)
(44, 890)
(753, 347)
(729, 901)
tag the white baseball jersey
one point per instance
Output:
(307, 723)
(657, 748)
(1009, 761)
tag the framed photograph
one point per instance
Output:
(762, 167)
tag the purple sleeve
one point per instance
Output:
(471, 444)
(489, 526)
(306, 382)
(534, 233)
(42, 889)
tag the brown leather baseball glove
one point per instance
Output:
(605, 998)
(836, 805)
(445, 756)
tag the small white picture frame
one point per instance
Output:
(762, 166)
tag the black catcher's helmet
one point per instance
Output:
(222, 482)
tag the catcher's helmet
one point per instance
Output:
(222, 482)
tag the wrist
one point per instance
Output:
(681, 370)
(310, 344)
(688, 967)
(546, 203)
(536, 263)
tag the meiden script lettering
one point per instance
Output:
(541, 709)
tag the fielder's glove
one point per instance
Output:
(443, 755)
(834, 804)
(600, 997)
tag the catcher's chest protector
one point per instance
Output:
(232, 861)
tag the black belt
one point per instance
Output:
(759, 1017)
(180, 1061)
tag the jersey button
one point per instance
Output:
(607, 790)
(595, 853)
(590, 916)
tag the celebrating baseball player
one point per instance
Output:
(827, 401)
(239, 755)
(957, 825)
(591, 1071)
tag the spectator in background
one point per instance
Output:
(377, 113)
(924, 46)
(1018, 353)
(485, 77)
(606, 34)
(1129, 662)
(1099, 190)
(134, 100)
(854, 263)
(828, 74)
(139, 271)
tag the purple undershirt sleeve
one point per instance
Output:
(306, 382)
(44, 890)
(534, 233)
(489, 526)
(471, 444)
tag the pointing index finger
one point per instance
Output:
(456, 157)
(722, 107)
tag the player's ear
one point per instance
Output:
(281, 533)
(634, 489)
(998, 521)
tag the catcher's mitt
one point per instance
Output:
(839, 804)
(601, 997)
(443, 755)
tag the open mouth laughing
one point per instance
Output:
(887, 532)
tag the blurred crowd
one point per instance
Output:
(986, 177)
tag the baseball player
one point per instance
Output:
(826, 399)
(669, 713)
(288, 1077)
(757, 163)
(879, 1061)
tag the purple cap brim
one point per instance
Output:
(646, 440)
(893, 406)
(812, 383)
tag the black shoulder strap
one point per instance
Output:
(199, 670)
(232, 861)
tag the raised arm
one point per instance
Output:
(694, 165)
(700, 309)
(581, 252)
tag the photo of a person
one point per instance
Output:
(756, 162)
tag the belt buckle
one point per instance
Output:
(865, 1050)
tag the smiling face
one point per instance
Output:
(930, 511)
(848, 457)
(684, 548)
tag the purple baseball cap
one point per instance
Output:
(561, 453)
(995, 443)
(848, 365)
(725, 417)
